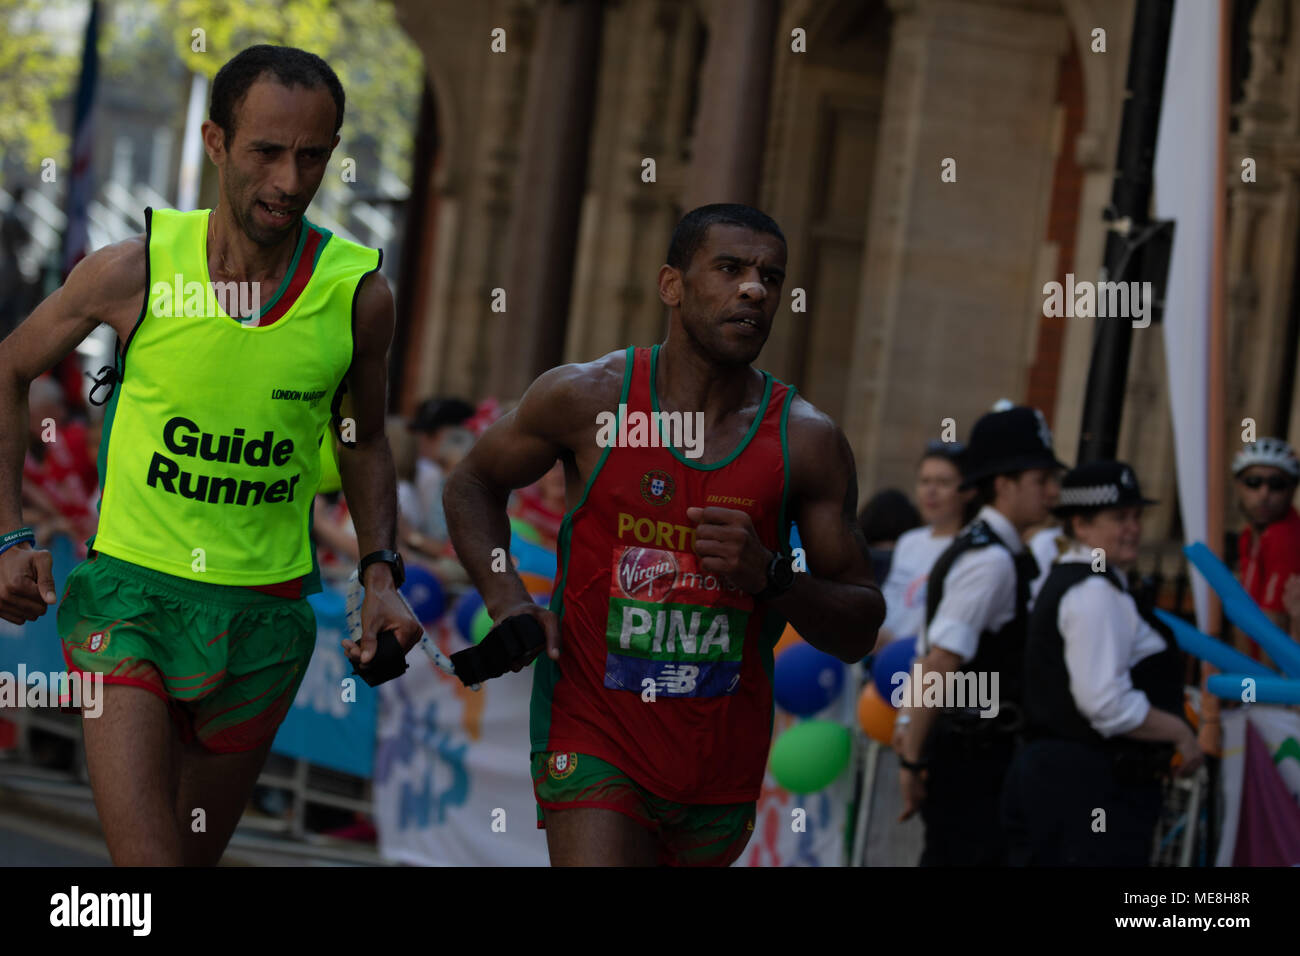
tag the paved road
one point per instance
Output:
(34, 843)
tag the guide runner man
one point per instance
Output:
(652, 710)
(192, 603)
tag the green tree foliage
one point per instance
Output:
(381, 70)
(35, 72)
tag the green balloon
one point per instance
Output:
(526, 531)
(810, 755)
(480, 625)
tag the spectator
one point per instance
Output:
(542, 505)
(55, 493)
(1268, 550)
(883, 519)
(433, 425)
(1266, 472)
(945, 511)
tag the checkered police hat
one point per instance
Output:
(1097, 485)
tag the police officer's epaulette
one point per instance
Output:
(978, 533)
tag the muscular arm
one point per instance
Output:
(516, 451)
(366, 468)
(106, 286)
(836, 606)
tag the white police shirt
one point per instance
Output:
(1105, 637)
(1044, 545)
(979, 593)
(905, 587)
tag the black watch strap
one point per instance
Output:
(780, 577)
(391, 558)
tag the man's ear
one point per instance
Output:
(670, 286)
(214, 141)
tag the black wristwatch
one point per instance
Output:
(780, 577)
(392, 558)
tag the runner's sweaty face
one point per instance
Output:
(276, 158)
(730, 291)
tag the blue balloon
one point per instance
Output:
(1267, 690)
(1243, 611)
(806, 680)
(1199, 644)
(533, 558)
(897, 656)
(466, 608)
(424, 592)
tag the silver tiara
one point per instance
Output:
(1088, 496)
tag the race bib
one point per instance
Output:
(673, 624)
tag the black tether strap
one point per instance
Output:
(513, 639)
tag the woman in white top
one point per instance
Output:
(1103, 693)
(945, 510)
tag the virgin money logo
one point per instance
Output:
(640, 570)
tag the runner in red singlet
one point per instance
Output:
(652, 710)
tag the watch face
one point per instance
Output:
(782, 571)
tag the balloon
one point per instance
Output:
(1243, 611)
(897, 656)
(806, 680)
(480, 626)
(424, 592)
(789, 638)
(1266, 690)
(875, 715)
(526, 531)
(531, 557)
(810, 755)
(466, 608)
(1199, 644)
(536, 583)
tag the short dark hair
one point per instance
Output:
(949, 451)
(440, 412)
(986, 489)
(887, 515)
(694, 228)
(288, 65)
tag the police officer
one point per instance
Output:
(955, 753)
(1103, 692)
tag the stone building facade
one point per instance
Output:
(923, 297)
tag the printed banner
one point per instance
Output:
(321, 726)
(452, 785)
(1260, 787)
(815, 837)
(36, 643)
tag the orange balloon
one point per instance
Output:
(1193, 717)
(875, 715)
(536, 583)
(789, 638)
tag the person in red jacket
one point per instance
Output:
(1266, 473)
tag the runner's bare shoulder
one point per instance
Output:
(109, 285)
(563, 403)
(817, 446)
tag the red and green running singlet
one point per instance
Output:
(637, 612)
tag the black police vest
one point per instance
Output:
(1002, 650)
(1049, 705)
